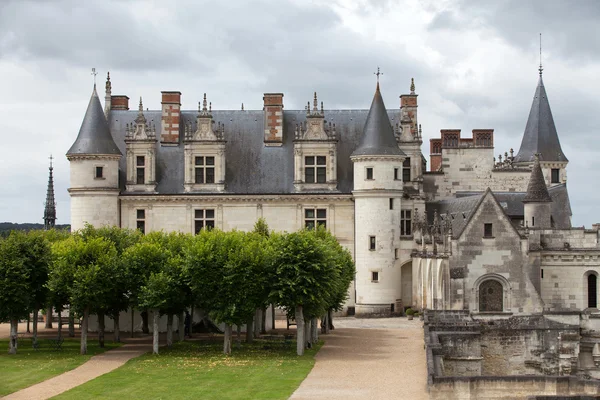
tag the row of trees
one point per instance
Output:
(230, 275)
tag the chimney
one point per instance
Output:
(119, 102)
(273, 109)
(171, 114)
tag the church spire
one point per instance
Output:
(50, 205)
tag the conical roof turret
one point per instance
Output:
(537, 192)
(94, 135)
(540, 136)
(378, 135)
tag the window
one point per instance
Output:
(406, 170)
(204, 169)
(391, 204)
(491, 296)
(374, 276)
(99, 171)
(592, 291)
(203, 219)
(140, 171)
(141, 221)
(555, 178)
(369, 173)
(488, 231)
(405, 223)
(315, 217)
(395, 174)
(532, 222)
(315, 169)
(372, 243)
(396, 254)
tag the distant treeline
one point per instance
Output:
(6, 227)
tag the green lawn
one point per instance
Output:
(198, 370)
(29, 366)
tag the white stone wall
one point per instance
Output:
(99, 208)
(83, 172)
(564, 284)
(576, 239)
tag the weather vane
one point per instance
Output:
(94, 73)
(541, 69)
(378, 73)
(51, 158)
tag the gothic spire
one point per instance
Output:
(378, 135)
(50, 205)
(537, 192)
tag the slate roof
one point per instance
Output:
(540, 132)
(459, 209)
(94, 135)
(251, 167)
(537, 192)
(378, 137)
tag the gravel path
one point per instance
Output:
(369, 359)
(96, 366)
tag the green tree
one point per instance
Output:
(15, 283)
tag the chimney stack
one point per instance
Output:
(273, 108)
(119, 102)
(171, 115)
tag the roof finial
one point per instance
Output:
(108, 84)
(51, 158)
(412, 85)
(242, 106)
(94, 73)
(540, 69)
(141, 107)
(315, 103)
(378, 73)
(204, 103)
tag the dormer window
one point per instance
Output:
(140, 170)
(204, 169)
(406, 170)
(315, 169)
(140, 139)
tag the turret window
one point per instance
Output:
(99, 173)
(396, 174)
(555, 178)
(374, 276)
(204, 169)
(140, 170)
(372, 243)
(369, 173)
(314, 217)
(315, 169)
(203, 219)
(406, 170)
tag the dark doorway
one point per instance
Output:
(592, 291)
(491, 296)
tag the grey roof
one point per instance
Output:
(378, 137)
(251, 167)
(540, 132)
(459, 210)
(512, 203)
(94, 136)
(537, 192)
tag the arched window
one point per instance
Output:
(491, 296)
(592, 282)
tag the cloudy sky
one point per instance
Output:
(474, 63)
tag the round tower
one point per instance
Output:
(94, 164)
(537, 201)
(377, 200)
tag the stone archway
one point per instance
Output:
(491, 296)
(406, 284)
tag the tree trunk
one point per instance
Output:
(28, 323)
(84, 330)
(181, 327)
(308, 332)
(329, 321)
(257, 320)
(323, 323)
(227, 340)
(272, 316)
(132, 318)
(191, 322)
(300, 331)
(156, 318)
(49, 317)
(59, 333)
(315, 330)
(101, 325)
(71, 323)
(116, 328)
(169, 330)
(249, 331)
(145, 328)
(35, 323)
(263, 320)
(239, 336)
(12, 345)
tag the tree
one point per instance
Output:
(56, 300)
(302, 277)
(15, 281)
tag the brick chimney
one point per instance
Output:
(171, 114)
(273, 109)
(119, 102)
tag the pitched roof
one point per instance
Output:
(540, 132)
(537, 192)
(94, 135)
(378, 135)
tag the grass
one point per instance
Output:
(29, 366)
(200, 370)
